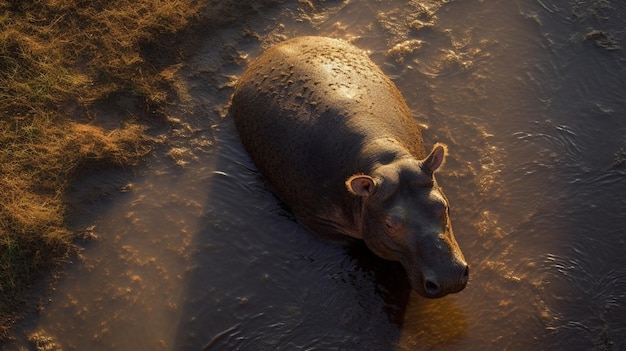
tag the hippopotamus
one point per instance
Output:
(336, 142)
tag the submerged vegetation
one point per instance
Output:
(58, 59)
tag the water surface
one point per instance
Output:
(530, 97)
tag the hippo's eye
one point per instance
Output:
(391, 225)
(388, 224)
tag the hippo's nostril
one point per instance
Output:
(431, 287)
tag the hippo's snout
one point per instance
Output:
(455, 280)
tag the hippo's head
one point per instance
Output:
(406, 219)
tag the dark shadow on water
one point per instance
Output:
(389, 278)
(260, 281)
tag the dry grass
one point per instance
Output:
(58, 57)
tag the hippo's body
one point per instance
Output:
(337, 143)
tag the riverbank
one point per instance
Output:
(61, 62)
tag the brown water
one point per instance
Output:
(530, 96)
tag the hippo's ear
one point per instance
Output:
(361, 185)
(436, 158)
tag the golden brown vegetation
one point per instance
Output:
(58, 57)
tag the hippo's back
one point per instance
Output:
(306, 107)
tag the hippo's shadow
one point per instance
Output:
(389, 277)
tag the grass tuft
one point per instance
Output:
(57, 59)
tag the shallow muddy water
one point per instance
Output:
(530, 98)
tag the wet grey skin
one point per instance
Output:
(335, 139)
